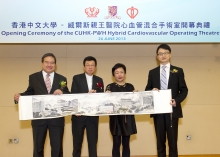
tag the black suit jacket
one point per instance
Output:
(79, 85)
(176, 83)
(37, 87)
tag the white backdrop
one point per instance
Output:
(109, 21)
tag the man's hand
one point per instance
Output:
(173, 102)
(92, 91)
(16, 98)
(57, 92)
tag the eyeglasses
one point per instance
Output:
(88, 65)
(165, 53)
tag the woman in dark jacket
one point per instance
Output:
(121, 126)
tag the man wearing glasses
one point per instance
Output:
(167, 76)
(86, 82)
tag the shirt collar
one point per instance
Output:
(87, 76)
(167, 65)
(45, 74)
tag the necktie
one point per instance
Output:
(48, 83)
(163, 79)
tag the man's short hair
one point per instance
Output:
(89, 58)
(116, 66)
(48, 55)
(163, 46)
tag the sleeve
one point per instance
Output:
(183, 90)
(74, 87)
(149, 85)
(131, 88)
(30, 89)
(108, 87)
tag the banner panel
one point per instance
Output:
(95, 104)
(109, 21)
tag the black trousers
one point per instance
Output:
(117, 140)
(56, 139)
(165, 127)
(78, 128)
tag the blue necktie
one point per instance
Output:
(163, 79)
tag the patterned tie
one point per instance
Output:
(48, 83)
(163, 79)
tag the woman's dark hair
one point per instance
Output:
(118, 65)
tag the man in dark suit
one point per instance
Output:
(171, 77)
(86, 83)
(43, 83)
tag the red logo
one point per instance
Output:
(132, 12)
(92, 12)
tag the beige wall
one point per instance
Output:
(201, 64)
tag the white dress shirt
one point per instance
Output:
(89, 81)
(51, 77)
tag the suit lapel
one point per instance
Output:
(170, 77)
(94, 81)
(41, 80)
(55, 82)
(84, 83)
(158, 77)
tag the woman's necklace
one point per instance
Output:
(120, 85)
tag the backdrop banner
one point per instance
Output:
(94, 104)
(109, 21)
